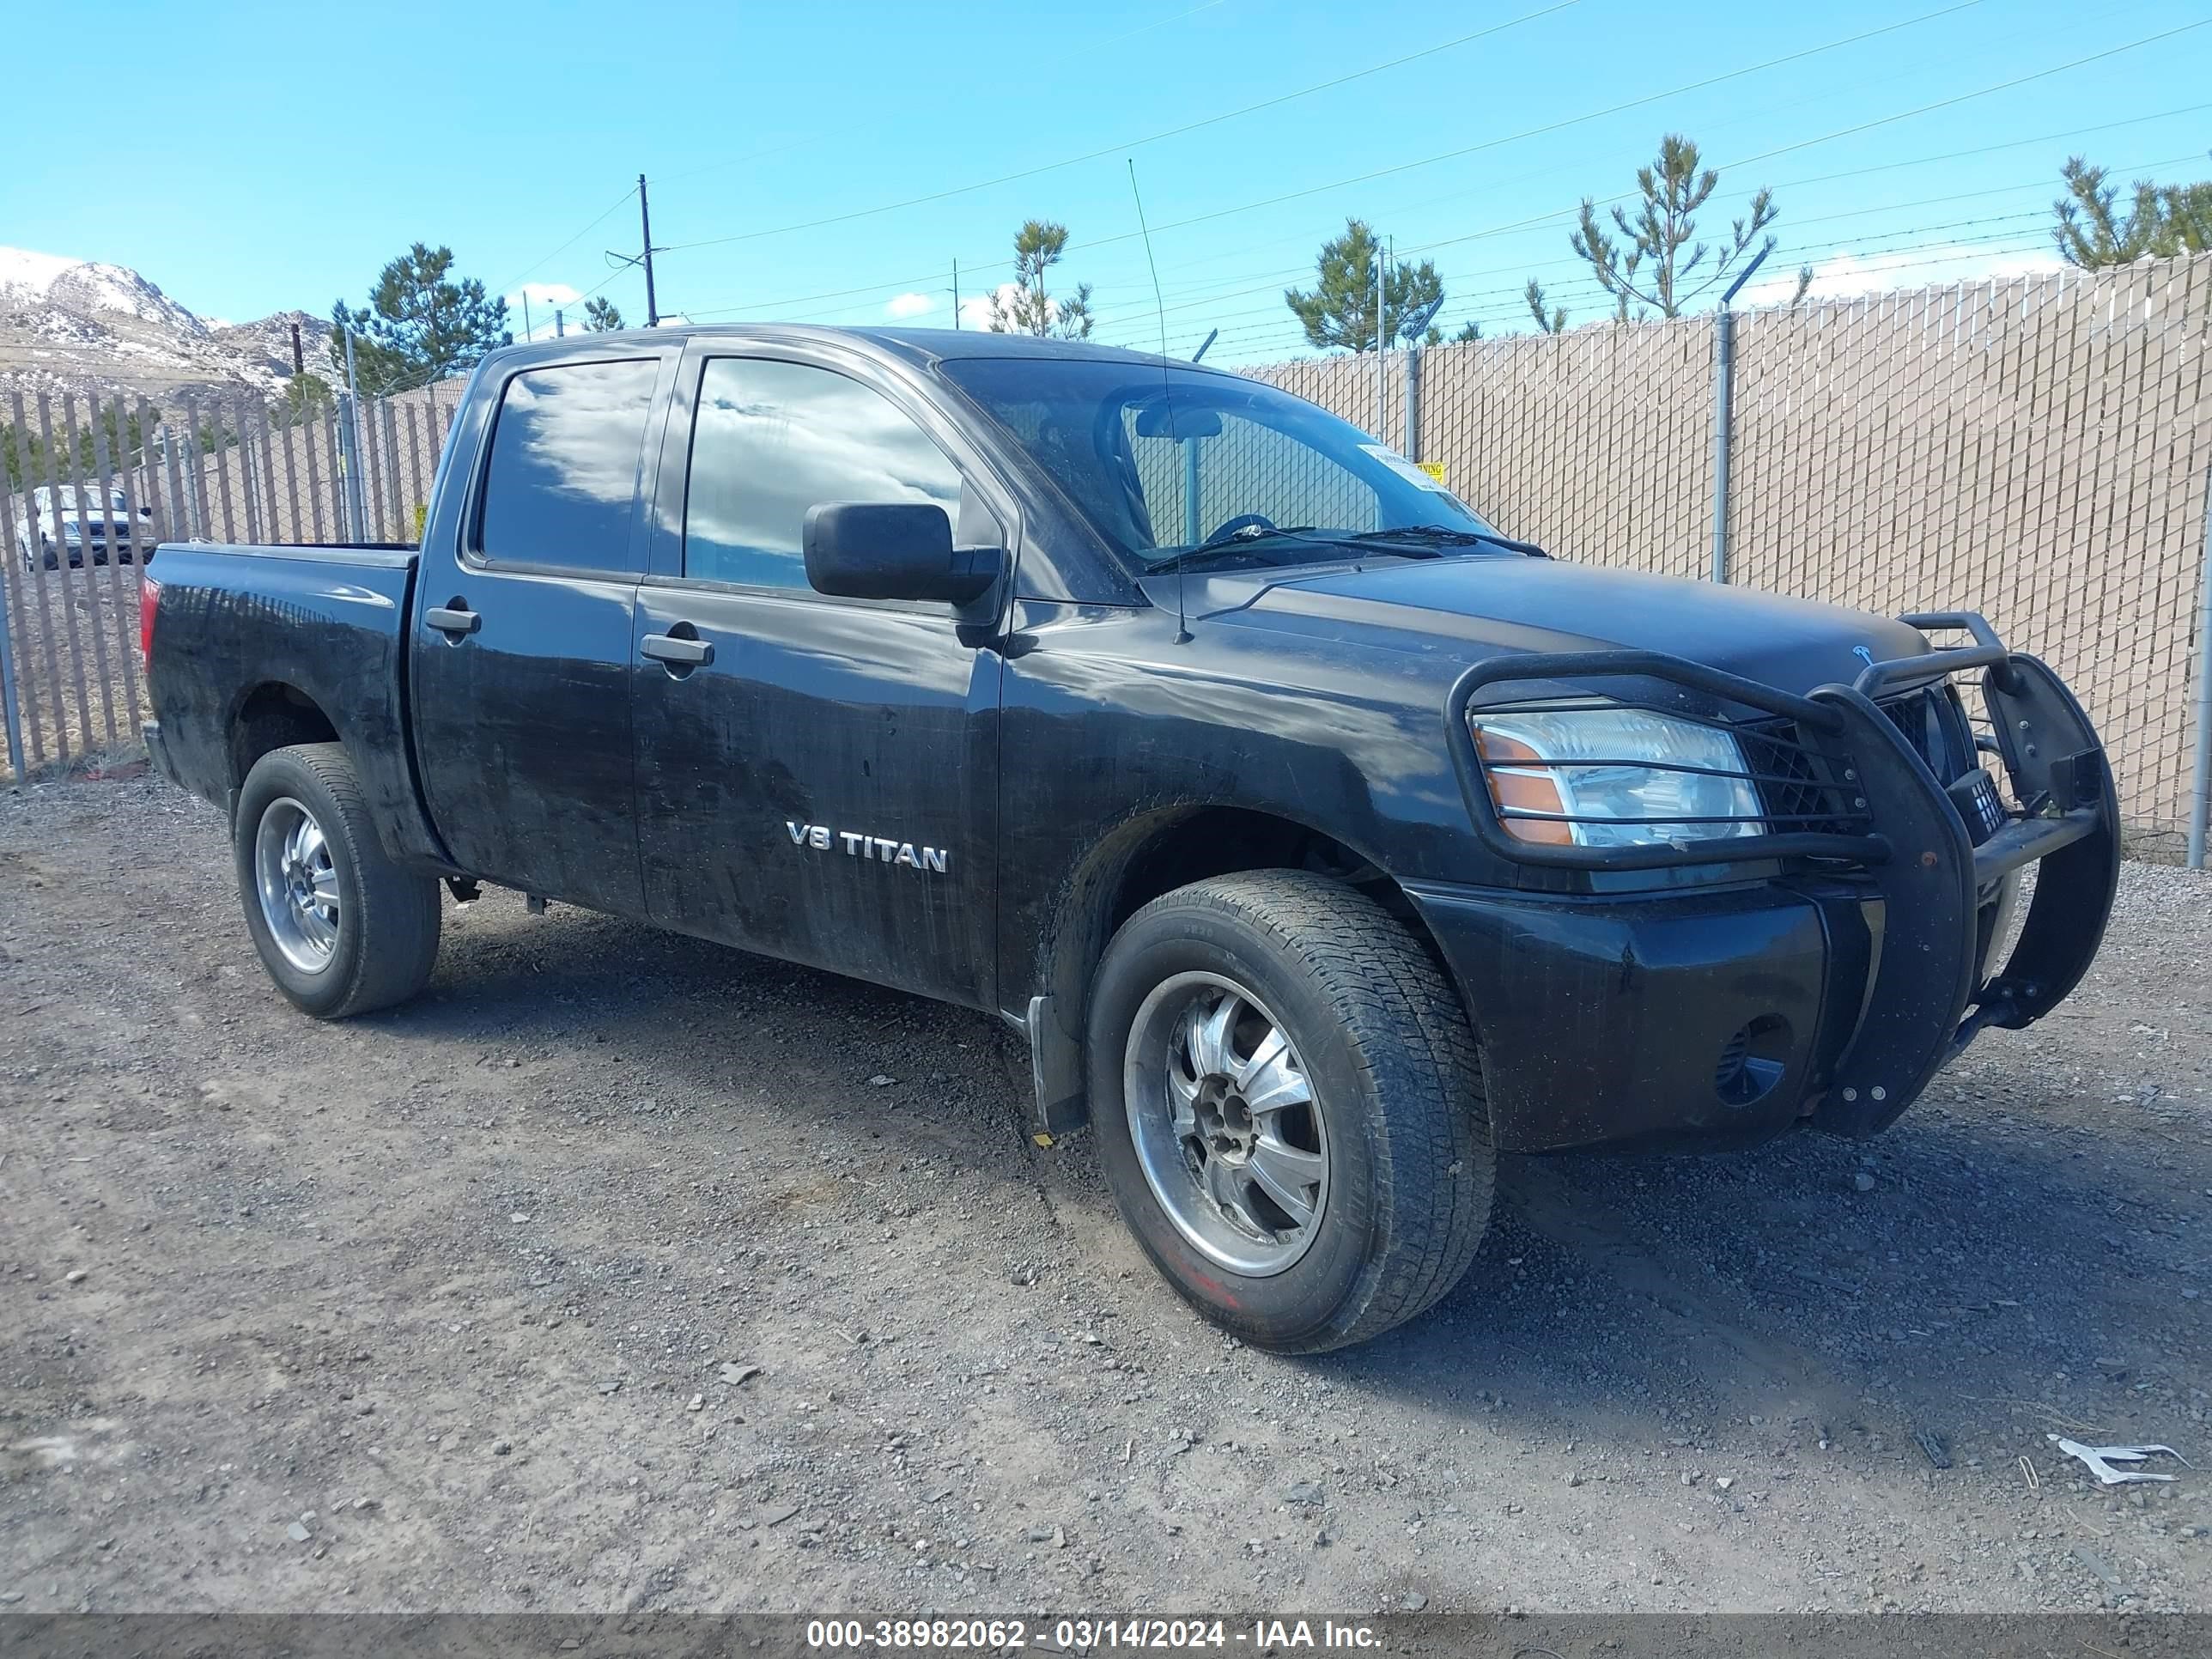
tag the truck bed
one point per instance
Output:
(330, 622)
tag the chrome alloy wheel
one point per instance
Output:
(297, 884)
(1223, 1118)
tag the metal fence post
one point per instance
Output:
(1723, 401)
(2200, 793)
(350, 451)
(1724, 391)
(1412, 447)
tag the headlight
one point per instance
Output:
(1593, 776)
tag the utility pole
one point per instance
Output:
(528, 331)
(645, 226)
(955, 294)
(644, 257)
(298, 357)
(559, 325)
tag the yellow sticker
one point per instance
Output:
(1434, 469)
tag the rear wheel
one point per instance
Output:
(339, 927)
(1289, 1108)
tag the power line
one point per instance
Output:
(1807, 143)
(1427, 160)
(539, 264)
(1305, 266)
(1233, 287)
(1818, 219)
(1132, 143)
(806, 139)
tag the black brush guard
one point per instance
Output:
(1865, 801)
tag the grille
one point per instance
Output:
(1798, 785)
(1794, 782)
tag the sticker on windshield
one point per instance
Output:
(1419, 477)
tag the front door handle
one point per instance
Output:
(674, 648)
(452, 620)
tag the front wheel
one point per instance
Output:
(1289, 1108)
(340, 927)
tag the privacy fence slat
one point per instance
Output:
(17, 620)
(60, 599)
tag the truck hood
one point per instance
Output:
(1476, 608)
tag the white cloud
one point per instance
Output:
(909, 304)
(1848, 276)
(975, 309)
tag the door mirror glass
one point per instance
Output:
(894, 550)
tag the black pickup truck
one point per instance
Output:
(1321, 840)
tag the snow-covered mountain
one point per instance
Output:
(78, 325)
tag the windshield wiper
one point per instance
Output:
(1419, 541)
(1243, 541)
(1451, 535)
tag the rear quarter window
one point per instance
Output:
(561, 486)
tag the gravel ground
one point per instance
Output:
(621, 1272)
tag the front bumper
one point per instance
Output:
(1834, 989)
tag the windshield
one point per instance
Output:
(1164, 462)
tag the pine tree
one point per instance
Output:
(2161, 222)
(600, 316)
(1028, 309)
(1338, 310)
(1551, 319)
(304, 397)
(1650, 268)
(419, 324)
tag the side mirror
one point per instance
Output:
(893, 551)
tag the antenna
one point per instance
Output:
(1167, 391)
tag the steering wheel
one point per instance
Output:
(1243, 521)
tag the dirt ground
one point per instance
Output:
(623, 1272)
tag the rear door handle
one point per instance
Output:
(672, 648)
(452, 619)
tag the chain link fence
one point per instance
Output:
(2038, 449)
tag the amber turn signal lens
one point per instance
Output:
(1517, 786)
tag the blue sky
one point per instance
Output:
(298, 148)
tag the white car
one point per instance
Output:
(83, 529)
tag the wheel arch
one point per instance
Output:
(274, 714)
(1143, 857)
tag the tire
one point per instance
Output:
(376, 943)
(1378, 1042)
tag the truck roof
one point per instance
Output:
(916, 345)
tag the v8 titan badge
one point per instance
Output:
(882, 849)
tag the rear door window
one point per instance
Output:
(561, 488)
(772, 439)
